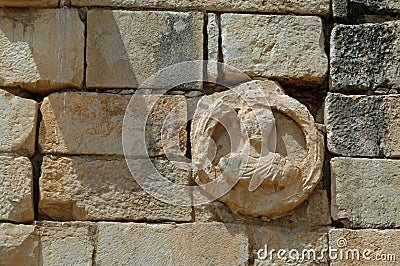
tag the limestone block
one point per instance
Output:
(66, 243)
(87, 188)
(364, 247)
(379, 6)
(186, 244)
(317, 7)
(41, 50)
(125, 48)
(29, 3)
(283, 246)
(365, 57)
(363, 125)
(16, 202)
(91, 123)
(268, 161)
(19, 245)
(286, 48)
(18, 119)
(365, 192)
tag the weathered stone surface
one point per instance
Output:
(340, 9)
(300, 239)
(29, 3)
(66, 243)
(378, 6)
(126, 47)
(19, 245)
(16, 202)
(365, 57)
(91, 123)
(18, 119)
(186, 244)
(275, 157)
(41, 50)
(364, 247)
(287, 48)
(213, 34)
(84, 188)
(363, 125)
(318, 7)
(365, 192)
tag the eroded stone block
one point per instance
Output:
(286, 48)
(41, 50)
(91, 123)
(16, 202)
(186, 244)
(29, 3)
(18, 119)
(19, 245)
(125, 48)
(365, 57)
(365, 192)
(87, 188)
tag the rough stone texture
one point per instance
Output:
(213, 47)
(186, 244)
(19, 245)
(363, 125)
(41, 50)
(365, 192)
(365, 57)
(29, 3)
(287, 48)
(83, 188)
(340, 9)
(318, 7)
(126, 47)
(300, 239)
(379, 247)
(66, 243)
(16, 202)
(378, 6)
(91, 123)
(18, 119)
(273, 181)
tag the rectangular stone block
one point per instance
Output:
(365, 192)
(16, 202)
(363, 125)
(29, 3)
(317, 7)
(284, 246)
(41, 50)
(18, 120)
(87, 188)
(19, 245)
(285, 48)
(66, 243)
(186, 244)
(91, 124)
(365, 57)
(125, 48)
(364, 247)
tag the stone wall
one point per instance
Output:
(330, 71)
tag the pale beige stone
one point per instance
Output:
(365, 192)
(364, 247)
(268, 240)
(16, 202)
(18, 119)
(91, 123)
(318, 207)
(19, 245)
(29, 3)
(41, 50)
(125, 48)
(66, 243)
(213, 34)
(186, 244)
(286, 48)
(318, 7)
(285, 150)
(87, 188)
